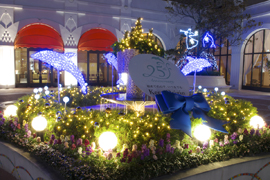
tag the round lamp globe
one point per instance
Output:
(11, 110)
(202, 133)
(107, 140)
(39, 123)
(256, 121)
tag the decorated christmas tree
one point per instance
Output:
(135, 39)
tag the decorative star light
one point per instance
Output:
(209, 38)
(112, 60)
(195, 64)
(61, 62)
(189, 37)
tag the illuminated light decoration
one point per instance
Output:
(37, 96)
(61, 62)
(189, 37)
(216, 89)
(200, 87)
(222, 93)
(40, 90)
(107, 140)
(46, 88)
(256, 122)
(195, 64)
(35, 90)
(123, 79)
(209, 38)
(111, 59)
(47, 92)
(202, 132)
(65, 99)
(11, 110)
(204, 90)
(39, 123)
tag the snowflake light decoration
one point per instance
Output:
(61, 62)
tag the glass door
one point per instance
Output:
(93, 69)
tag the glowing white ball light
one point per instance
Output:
(205, 90)
(37, 96)
(40, 90)
(107, 140)
(11, 110)
(46, 88)
(202, 132)
(256, 121)
(199, 87)
(222, 93)
(35, 90)
(65, 99)
(39, 123)
(47, 92)
(216, 89)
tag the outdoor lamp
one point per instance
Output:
(47, 92)
(200, 87)
(46, 88)
(107, 140)
(204, 90)
(40, 90)
(222, 93)
(202, 132)
(256, 122)
(11, 110)
(37, 96)
(39, 123)
(65, 99)
(216, 89)
(35, 90)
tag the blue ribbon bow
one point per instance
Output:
(169, 102)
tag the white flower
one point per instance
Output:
(241, 137)
(67, 138)
(151, 143)
(181, 149)
(80, 150)
(176, 145)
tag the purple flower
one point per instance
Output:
(142, 157)
(53, 137)
(146, 152)
(1, 123)
(168, 148)
(235, 142)
(221, 144)
(1, 115)
(234, 135)
(252, 131)
(168, 137)
(55, 141)
(172, 150)
(72, 138)
(205, 144)
(79, 142)
(26, 127)
(161, 142)
(144, 147)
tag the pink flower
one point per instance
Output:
(155, 157)
(79, 142)
(216, 140)
(86, 142)
(73, 146)
(221, 144)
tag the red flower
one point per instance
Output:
(34, 135)
(86, 142)
(59, 141)
(51, 141)
(129, 158)
(246, 131)
(118, 154)
(19, 126)
(73, 146)
(190, 151)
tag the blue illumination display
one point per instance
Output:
(195, 64)
(189, 38)
(61, 62)
(209, 39)
(112, 60)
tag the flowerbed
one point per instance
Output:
(146, 147)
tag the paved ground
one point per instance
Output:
(261, 100)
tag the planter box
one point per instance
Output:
(209, 82)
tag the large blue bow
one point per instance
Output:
(180, 106)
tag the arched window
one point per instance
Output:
(256, 62)
(222, 54)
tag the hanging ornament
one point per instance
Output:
(40, 113)
(58, 118)
(78, 108)
(96, 124)
(58, 113)
(108, 110)
(21, 101)
(47, 105)
(121, 113)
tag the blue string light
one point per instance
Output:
(61, 62)
(189, 38)
(195, 64)
(209, 38)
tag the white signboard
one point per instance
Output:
(153, 74)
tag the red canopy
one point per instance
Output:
(39, 36)
(97, 39)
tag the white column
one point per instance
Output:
(236, 68)
(7, 71)
(69, 78)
